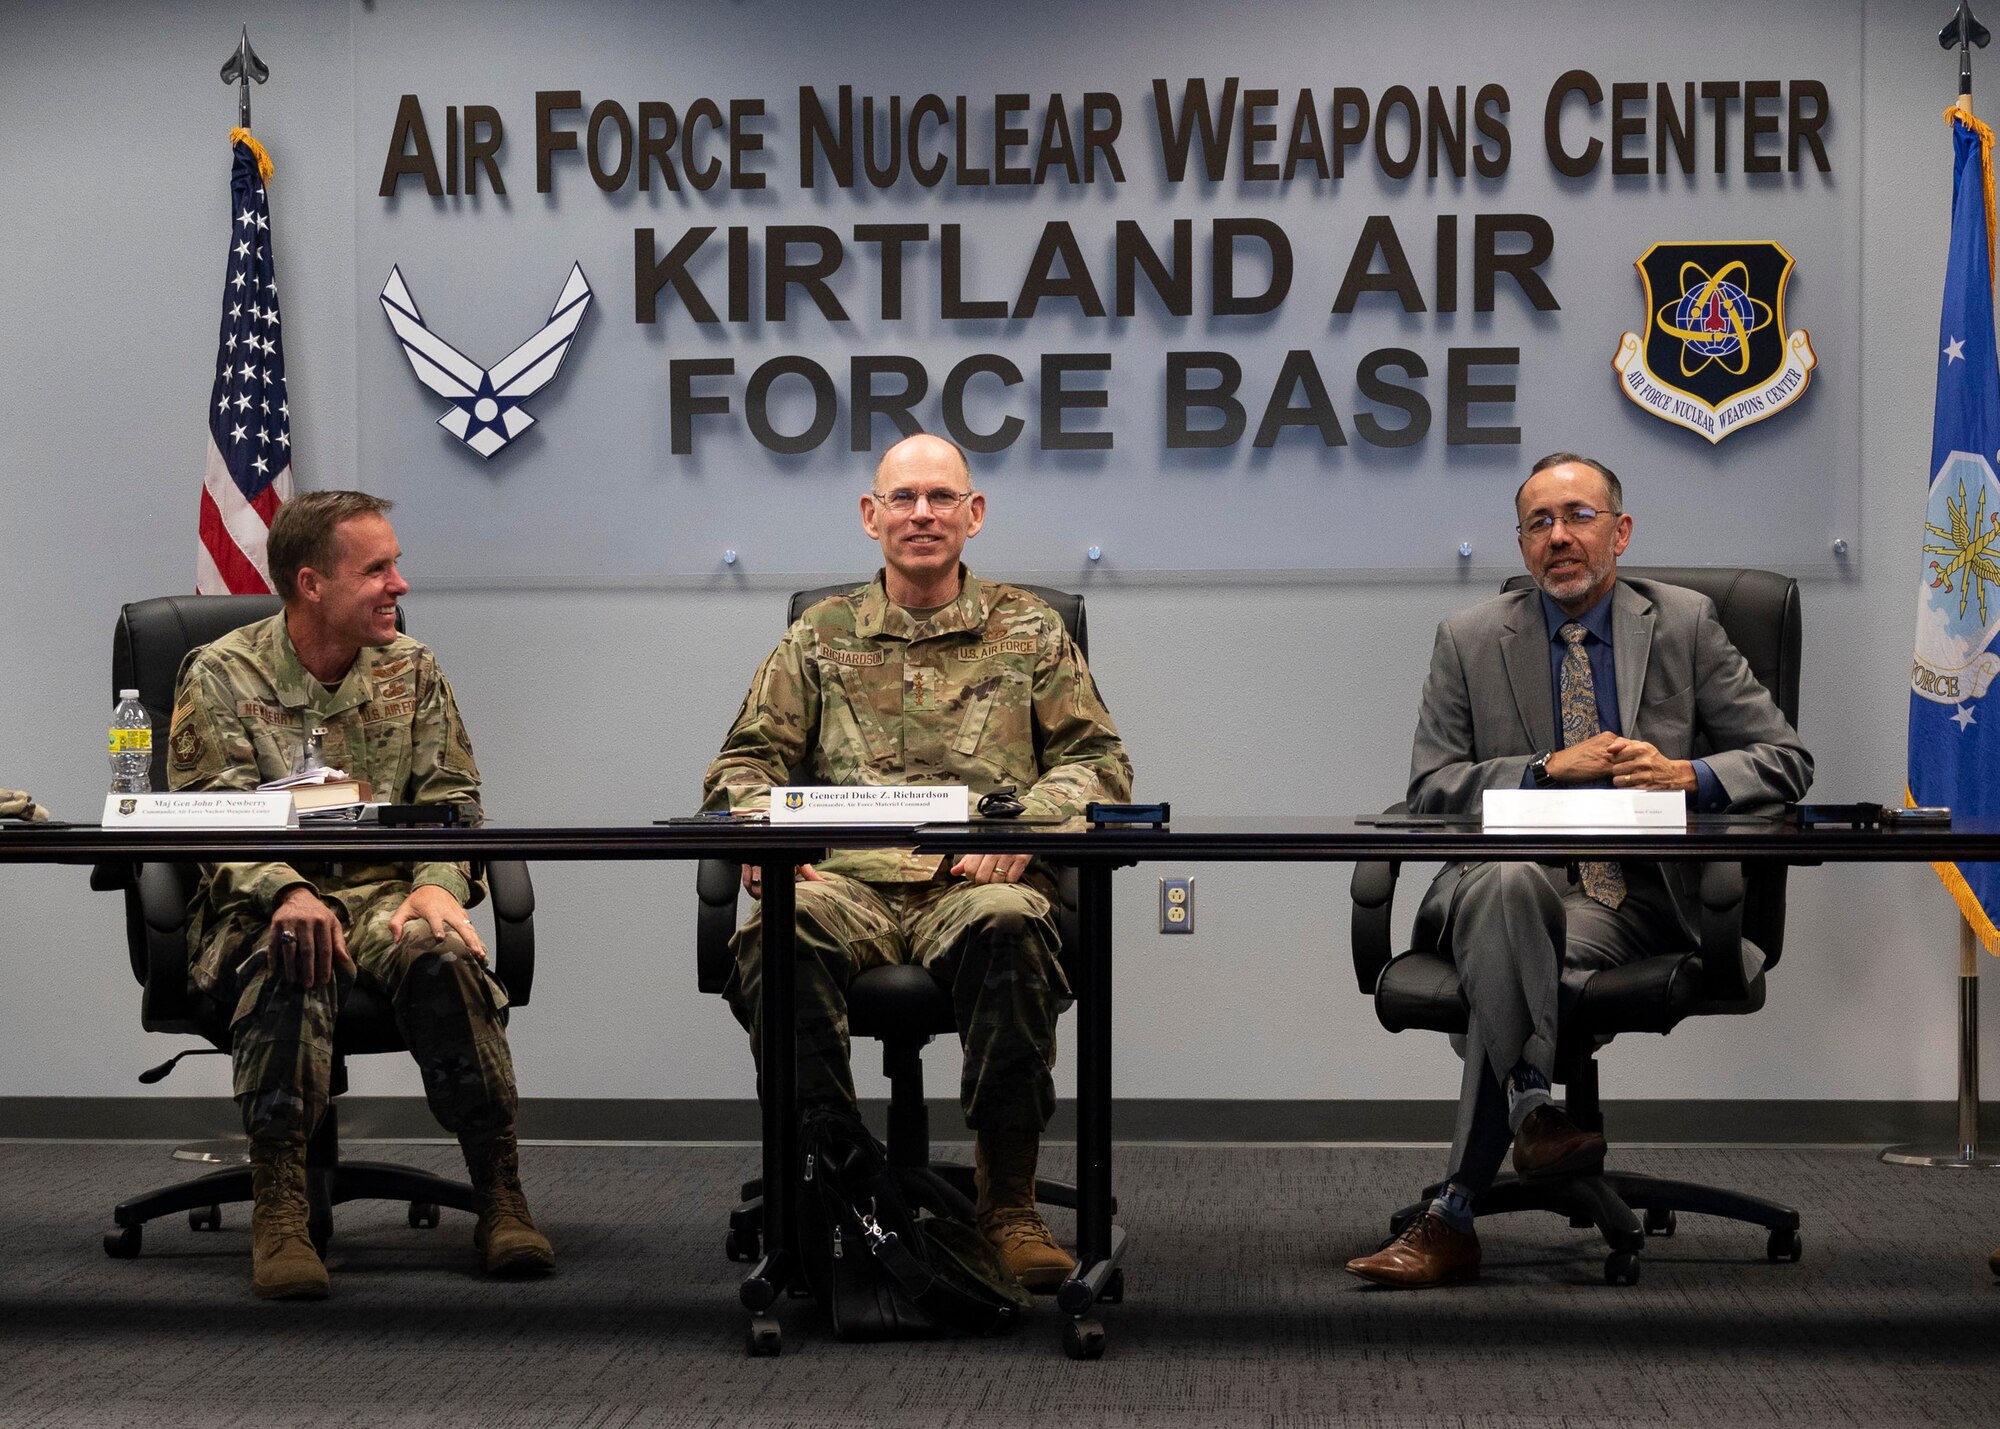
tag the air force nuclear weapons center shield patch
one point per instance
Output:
(1715, 355)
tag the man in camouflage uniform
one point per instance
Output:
(930, 676)
(283, 943)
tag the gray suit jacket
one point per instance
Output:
(1488, 710)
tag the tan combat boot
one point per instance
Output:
(506, 1233)
(283, 1263)
(1005, 1162)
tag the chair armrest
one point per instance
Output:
(1373, 889)
(1722, 973)
(716, 881)
(513, 896)
(162, 901)
(113, 876)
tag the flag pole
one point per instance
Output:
(239, 69)
(1964, 31)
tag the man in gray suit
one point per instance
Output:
(1587, 681)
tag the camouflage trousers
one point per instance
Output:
(447, 1008)
(991, 946)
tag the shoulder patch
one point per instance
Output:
(187, 746)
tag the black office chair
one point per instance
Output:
(901, 1007)
(151, 638)
(1420, 988)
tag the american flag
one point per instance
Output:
(249, 419)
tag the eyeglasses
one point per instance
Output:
(943, 501)
(1543, 522)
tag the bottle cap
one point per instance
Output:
(128, 694)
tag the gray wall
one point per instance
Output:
(605, 706)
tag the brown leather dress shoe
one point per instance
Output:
(1428, 1252)
(1549, 1144)
(1993, 1262)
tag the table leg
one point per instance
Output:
(1098, 1244)
(775, 1269)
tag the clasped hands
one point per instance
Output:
(1627, 763)
(974, 868)
(307, 940)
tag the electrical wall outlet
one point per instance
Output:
(1177, 905)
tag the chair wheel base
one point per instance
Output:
(424, 1215)
(740, 1245)
(763, 1339)
(1621, 1267)
(1662, 1223)
(205, 1218)
(1083, 1339)
(123, 1243)
(1784, 1245)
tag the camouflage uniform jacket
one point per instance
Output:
(241, 716)
(990, 690)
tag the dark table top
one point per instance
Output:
(1259, 838)
(1213, 838)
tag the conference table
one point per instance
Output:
(1095, 852)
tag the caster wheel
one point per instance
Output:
(1621, 1267)
(740, 1245)
(764, 1340)
(1083, 1339)
(1661, 1223)
(1784, 1245)
(1114, 1289)
(123, 1242)
(205, 1218)
(424, 1216)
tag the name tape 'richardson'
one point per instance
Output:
(1715, 356)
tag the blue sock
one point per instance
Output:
(1527, 1088)
(1454, 1208)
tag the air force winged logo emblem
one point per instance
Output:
(486, 411)
(1715, 355)
(795, 800)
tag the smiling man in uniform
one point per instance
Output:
(283, 943)
(928, 675)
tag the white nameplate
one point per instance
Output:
(871, 804)
(1584, 809)
(217, 809)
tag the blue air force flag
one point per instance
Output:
(1954, 732)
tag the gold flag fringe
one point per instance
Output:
(267, 169)
(1959, 115)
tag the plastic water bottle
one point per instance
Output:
(131, 746)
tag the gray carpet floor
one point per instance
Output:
(1237, 1310)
